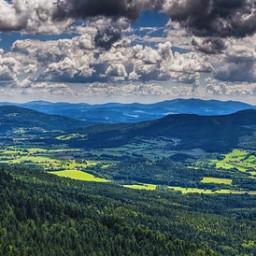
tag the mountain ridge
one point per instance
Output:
(211, 133)
(134, 112)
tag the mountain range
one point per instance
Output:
(216, 133)
(136, 112)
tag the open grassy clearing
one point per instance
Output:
(238, 159)
(70, 136)
(45, 159)
(191, 190)
(216, 180)
(9, 152)
(208, 191)
(184, 191)
(78, 175)
(142, 186)
(36, 150)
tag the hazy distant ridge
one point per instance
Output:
(136, 112)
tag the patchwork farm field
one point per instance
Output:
(62, 162)
(143, 164)
(45, 160)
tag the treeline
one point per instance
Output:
(41, 214)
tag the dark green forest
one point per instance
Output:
(45, 215)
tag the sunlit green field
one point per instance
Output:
(216, 180)
(208, 191)
(36, 150)
(142, 186)
(70, 136)
(46, 159)
(78, 175)
(78, 162)
(191, 190)
(238, 159)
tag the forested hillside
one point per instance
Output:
(211, 133)
(12, 118)
(44, 215)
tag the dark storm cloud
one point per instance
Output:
(209, 45)
(115, 9)
(237, 70)
(207, 18)
(91, 8)
(105, 37)
(220, 18)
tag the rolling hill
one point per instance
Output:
(211, 133)
(183, 131)
(12, 117)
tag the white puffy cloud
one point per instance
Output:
(9, 67)
(238, 89)
(79, 60)
(35, 16)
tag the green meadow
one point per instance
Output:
(208, 191)
(70, 136)
(142, 186)
(78, 175)
(78, 164)
(216, 180)
(45, 159)
(242, 160)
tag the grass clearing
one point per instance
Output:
(70, 136)
(36, 150)
(239, 159)
(216, 180)
(211, 192)
(142, 186)
(191, 190)
(78, 175)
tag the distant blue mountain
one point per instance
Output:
(136, 112)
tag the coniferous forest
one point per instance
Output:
(44, 215)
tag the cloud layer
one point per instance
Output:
(213, 39)
(219, 18)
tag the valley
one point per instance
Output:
(144, 163)
(166, 177)
(128, 128)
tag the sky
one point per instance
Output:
(100, 51)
